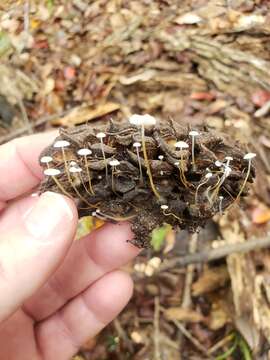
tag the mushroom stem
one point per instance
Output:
(207, 177)
(88, 175)
(247, 157)
(137, 145)
(220, 204)
(105, 217)
(104, 157)
(164, 208)
(148, 165)
(46, 160)
(193, 134)
(70, 179)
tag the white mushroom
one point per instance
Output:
(113, 163)
(137, 145)
(182, 145)
(101, 136)
(142, 121)
(86, 152)
(248, 157)
(206, 179)
(193, 134)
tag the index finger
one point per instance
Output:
(19, 166)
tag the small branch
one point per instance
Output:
(156, 330)
(24, 129)
(214, 254)
(186, 298)
(122, 334)
(192, 339)
(28, 125)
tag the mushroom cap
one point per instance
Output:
(101, 135)
(193, 133)
(46, 159)
(218, 163)
(75, 169)
(52, 172)
(142, 120)
(84, 152)
(229, 158)
(161, 157)
(137, 144)
(61, 144)
(249, 156)
(208, 175)
(114, 162)
(164, 207)
(181, 145)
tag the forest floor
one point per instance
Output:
(63, 63)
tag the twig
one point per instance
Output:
(28, 125)
(156, 330)
(122, 334)
(186, 298)
(221, 343)
(24, 129)
(214, 254)
(192, 339)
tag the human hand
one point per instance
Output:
(54, 293)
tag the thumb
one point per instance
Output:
(32, 250)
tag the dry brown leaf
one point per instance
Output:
(210, 280)
(182, 314)
(83, 114)
(219, 316)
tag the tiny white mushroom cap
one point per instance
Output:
(181, 145)
(101, 135)
(193, 133)
(84, 152)
(114, 162)
(99, 177)
(75, 169)
(73, 163)
(141, 120)
(164, 207)
(137, 144)
(52, 172)
(61, 144)
(229, 158)
(249, 156)
(218, 163)
(221, 197)
(46, 159)
(176, 163)
(208, 175)
(161, 157)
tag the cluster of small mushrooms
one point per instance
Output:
(147, 173)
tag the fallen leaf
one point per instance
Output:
(210, 280)
(182, 314)
(81, 114)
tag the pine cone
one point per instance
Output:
(147, 173)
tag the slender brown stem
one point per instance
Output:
(148, 166)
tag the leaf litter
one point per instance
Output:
(204, 64)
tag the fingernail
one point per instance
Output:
(47, 214)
